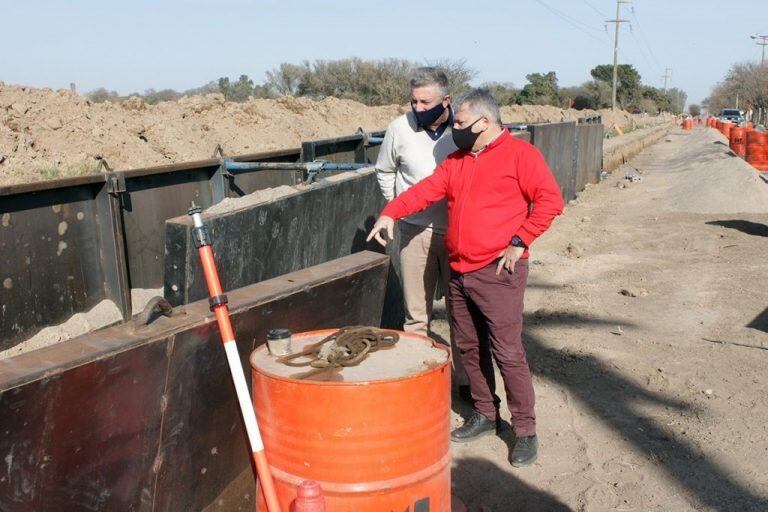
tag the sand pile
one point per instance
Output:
(719, 183)
(46, 134)
(550, 114)
(102, 314)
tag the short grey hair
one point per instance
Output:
(429, 76)
(480, 102)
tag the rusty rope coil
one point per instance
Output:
(348, 346)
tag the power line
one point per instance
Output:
(645, 39)
(640, 47)
(572, 21)
(598, 11)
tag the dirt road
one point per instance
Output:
(648, 341)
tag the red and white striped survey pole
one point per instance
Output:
(219, 307)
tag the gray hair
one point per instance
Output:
(428, 76)
(481, 103)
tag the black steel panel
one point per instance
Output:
(147, 419)
(320, 223)
(590, 160)
(51, 247)
(148, 201)
(557, 142)
(85, 438)
(323, 222)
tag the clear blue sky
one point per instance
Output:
(132, 46)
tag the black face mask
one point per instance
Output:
(427, 118)
(464, 138)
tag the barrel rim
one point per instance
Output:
(326, 332)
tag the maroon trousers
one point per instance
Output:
(487, 321)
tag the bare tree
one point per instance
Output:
(746, 83)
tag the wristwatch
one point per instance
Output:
(518, 242)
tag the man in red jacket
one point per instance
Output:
(501, 196)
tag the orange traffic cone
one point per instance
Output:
(309, 498)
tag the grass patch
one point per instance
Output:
(83, 167)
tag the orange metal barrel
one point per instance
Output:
(373, 445)
(757, 150)
(737, 141)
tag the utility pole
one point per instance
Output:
(761, 41)
(618, 21)
(666, 76)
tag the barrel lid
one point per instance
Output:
(279, 334)
(411, 355)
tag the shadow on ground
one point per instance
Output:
(479, 481)
(611, 398)
(745, 226)
(760, 323)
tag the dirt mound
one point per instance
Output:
(689, 188)
(47, 134)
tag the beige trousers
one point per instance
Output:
(424, 260)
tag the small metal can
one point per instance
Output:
(279, 342)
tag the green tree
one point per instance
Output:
(152, 96)
(628, 81)
(505, 93)
(287, 78)
(694, 109)
(209, 88)
(677, 98)
(101, 95)
(373, 82)
(584, 96)
(541, 89)
(242, 89)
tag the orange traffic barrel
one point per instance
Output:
(727, 129)
(737, 141)
(687, 124)
(375, 436)
(757, 150)
(719, 125)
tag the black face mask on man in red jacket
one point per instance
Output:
(465, 138)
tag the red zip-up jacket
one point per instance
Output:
(506, 189)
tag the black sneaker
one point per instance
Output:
(476, 426)
(525, 451)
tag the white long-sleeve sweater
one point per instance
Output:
(408, 155)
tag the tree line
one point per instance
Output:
(385, 82)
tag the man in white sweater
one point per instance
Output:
(413, 146)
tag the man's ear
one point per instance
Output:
(448, 98)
